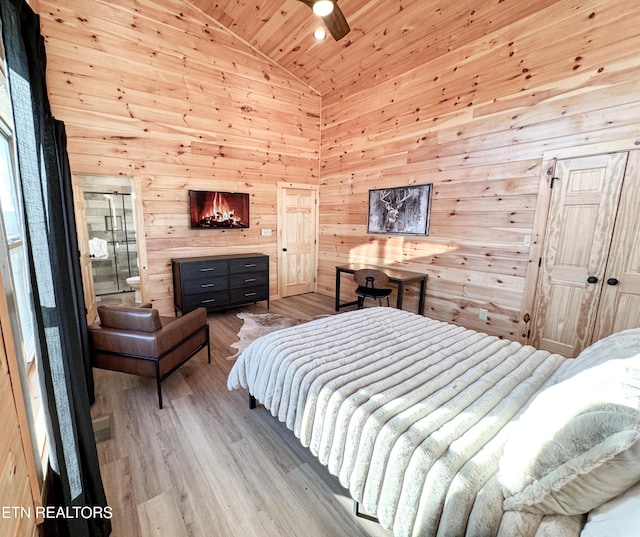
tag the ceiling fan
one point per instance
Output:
(333, 17)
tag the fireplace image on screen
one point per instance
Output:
(219, 210)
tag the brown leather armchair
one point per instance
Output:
(138, 341)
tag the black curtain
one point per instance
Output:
(63, 362)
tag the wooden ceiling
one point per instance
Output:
(387, 37)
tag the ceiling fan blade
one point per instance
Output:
(336, 23)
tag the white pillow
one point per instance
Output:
(619, 517)
(618, 346)
(577, 445)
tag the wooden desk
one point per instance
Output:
(397, 276)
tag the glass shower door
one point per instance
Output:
(112, 240)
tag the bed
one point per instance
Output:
(438, 430)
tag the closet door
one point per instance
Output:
(580, 226)
(620, 301)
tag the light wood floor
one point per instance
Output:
(206, 465)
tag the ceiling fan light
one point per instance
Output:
(320, 34)
(322, 8)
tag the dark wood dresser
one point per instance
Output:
(219, 281)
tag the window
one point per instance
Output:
(14, 239)
(14, 270)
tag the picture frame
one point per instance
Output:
(401, 210)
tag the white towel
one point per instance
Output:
(98, 248)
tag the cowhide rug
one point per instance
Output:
(256, 325)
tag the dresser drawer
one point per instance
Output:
(248, 264)
(249, 294)
(248, 279)
(207, 300)
(205, 284)
(203, 269)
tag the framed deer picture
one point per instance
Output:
(402, 210)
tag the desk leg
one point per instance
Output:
(337, 289)
(400, 295)
(423, 290)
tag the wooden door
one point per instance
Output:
(620, 301)
(83, 245)
(297, 232)
(580, 226)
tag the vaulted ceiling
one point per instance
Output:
(387, 37)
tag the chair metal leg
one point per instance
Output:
(158, 382)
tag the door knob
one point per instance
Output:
(613, 281)
(284, 249)
(592, 279)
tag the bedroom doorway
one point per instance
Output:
(107, 221)
(297, 238)
(589, 279)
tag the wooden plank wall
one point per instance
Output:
(477, 123)
(16, 457)
(19, 516)
(158, 92)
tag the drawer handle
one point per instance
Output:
(208, 300)
(208, 285)
(206, 269)
(251, 265)
(250, 294)
(250, 280)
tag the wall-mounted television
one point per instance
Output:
(218, 210)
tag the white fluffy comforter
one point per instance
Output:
(410, 413)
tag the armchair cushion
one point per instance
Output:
(129, 318)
